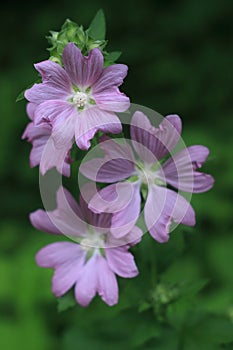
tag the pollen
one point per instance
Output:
(80, 99)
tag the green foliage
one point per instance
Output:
(97, 28)
(66, 301)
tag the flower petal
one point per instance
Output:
(111, 76)
(53, 74)
(56, 254)
(107, 283)
(41, 221)
(67, 217)
(121, 262)
(51, 110)
(43, 147)
(180, 170)
(92, 120)
(87, 284)
(112, 100)
(112, 198)
(152, 143)
(124, 220)
(83, 71)
(117, 165)
(103, 220)
(163, 206)
(67, 259)
(60, 158)
(30, 109)
(40, 93)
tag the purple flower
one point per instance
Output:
(92, 260)
(43, 147)
(148, 176)
(80, 98)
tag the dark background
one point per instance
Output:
(179, 55)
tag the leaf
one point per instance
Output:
(66, 302)
(97, 29)
(20, 96)
(113, 56)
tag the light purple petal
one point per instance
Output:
(54, 75)
(132, 238)
(68, 217)
(103, 220)
(43, 147)
(162, 206)
(152, 143)
(30, 109)
(38, 136)
(51, 110)
(83, 71)
(59, 253)
(67, 259)
(60, 158)
(92, 120)
(118, 163)
(107, 283)
(112, 198)
(110, 77)
(115, 170)
(180, 170)
(112, 100)
(114, 148)
(124, 220)
(87, 284)
(41, 221)
(121, 262)
(40, 93)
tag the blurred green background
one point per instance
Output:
(180, 61)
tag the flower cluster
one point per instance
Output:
(77, 97)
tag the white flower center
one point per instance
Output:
(80, 99)
(94, 241)
(149, 174)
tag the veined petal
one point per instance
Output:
(124, 220)
(53, 74)
(180, 170)
(121, 261)
(87, 284)
(112, 198)
(40, 93)
(51, 110)
(107, 286)
(112, 100)
(116, 148)
(60, 158)
(154, 143)
(103, 220)
(162, 206)
(56, 254)
(111, 76)
(67, 259)
(83, 71)
(41, 221)
(118, 163)
(67, 217)
(92, 120)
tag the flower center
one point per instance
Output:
(80, 99)
(93, 242)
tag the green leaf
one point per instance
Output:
(97, 29)
(113, 56)
(66, 302)
(20, 96)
